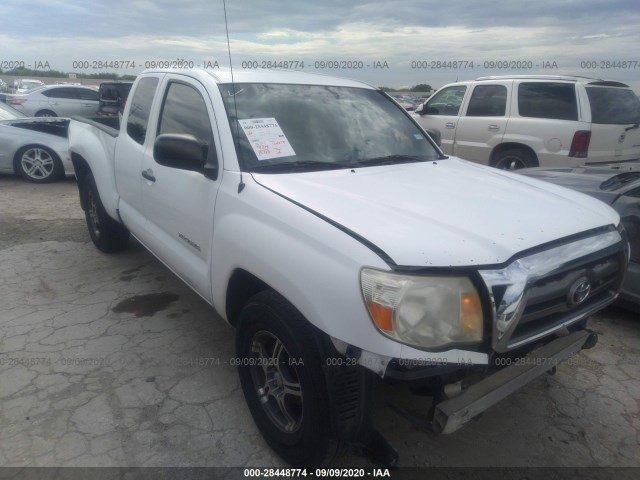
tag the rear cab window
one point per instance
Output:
(140, 109)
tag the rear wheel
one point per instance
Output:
(515, 159)
(107, 234)
(38, 164)
(281, 375)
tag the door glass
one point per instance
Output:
(184, 111)
(488, 101)
(447, 101)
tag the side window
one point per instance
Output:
(488, 101)
(547, 100)
(184, 111)
(85, 94)
(140, 108)
(446, 102)
(62, 92)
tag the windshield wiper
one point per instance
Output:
(297, 166)
(390, 160)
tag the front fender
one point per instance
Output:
(313, 264)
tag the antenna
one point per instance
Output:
(233, 85)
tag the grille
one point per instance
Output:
(543, 292)
(548, 302)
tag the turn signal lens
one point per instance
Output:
(382, 316)
(471, 313)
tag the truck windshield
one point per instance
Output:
(283, 128)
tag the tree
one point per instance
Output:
(421, 87)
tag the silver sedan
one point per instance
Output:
(35, 148)
(57, 101)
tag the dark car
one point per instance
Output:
(113, 98)
(619, 187)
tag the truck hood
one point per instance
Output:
(444, 213)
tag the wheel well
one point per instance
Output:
(242, 286)
(45, 110)
(511, 146)
(82, 169)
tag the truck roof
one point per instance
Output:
(223, 75)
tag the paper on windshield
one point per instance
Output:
(266, 138)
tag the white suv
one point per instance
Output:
(520, 121)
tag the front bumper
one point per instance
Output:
(452, 414)
(630, 294)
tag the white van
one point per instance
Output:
(518, 121)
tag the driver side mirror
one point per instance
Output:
(184, 152)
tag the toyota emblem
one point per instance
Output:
(579, 291)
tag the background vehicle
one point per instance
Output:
(323, 223)
(618, 187)
(520, 121)
(35, 148)
(57, 101)
(113, 97)
(24, 85)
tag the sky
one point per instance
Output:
(384, 43)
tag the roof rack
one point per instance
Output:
(574, 78)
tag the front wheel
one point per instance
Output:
(38, 164)
(515, 159)
(106, 234)
(281, 374)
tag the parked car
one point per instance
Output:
(618, 186)
(25, 85)
(57, 101)
(521, 121)
(323, 223)
(35, 148)
(113, 97)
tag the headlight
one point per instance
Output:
(423, 311)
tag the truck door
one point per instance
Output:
(179, 204)
(130, 148)
(483, 122)
(441, 112)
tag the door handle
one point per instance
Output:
(148, 174)
(494, 128)
(450, 125)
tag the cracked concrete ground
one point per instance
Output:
(95, 373)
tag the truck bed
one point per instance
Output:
(109, 125)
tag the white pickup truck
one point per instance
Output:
(318, 218)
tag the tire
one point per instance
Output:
(107, 235)
(515, 159)
(286, 393)
(38, 164)
(45, 113)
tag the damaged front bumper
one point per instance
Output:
(452, 414)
